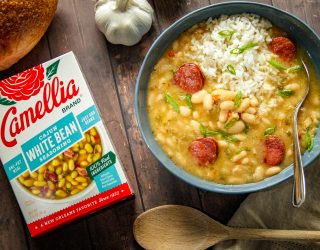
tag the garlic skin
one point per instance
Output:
(123, 21)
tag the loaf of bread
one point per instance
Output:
(22, 24)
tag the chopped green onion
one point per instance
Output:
(285, 92)
(243, 48)
(309, 141)
(188, 100)
(226, 33)
(231, 122)
(294, 69)
(241, 149)
(277, 65)
(237, 99)
(270, 131)
(231, 69)
(230, 138)
(205, 132)
(172, 102)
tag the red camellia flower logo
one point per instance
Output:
(23, 85)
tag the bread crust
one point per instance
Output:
(22, 24)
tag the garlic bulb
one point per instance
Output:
(123, 21)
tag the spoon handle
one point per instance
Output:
(268, 234)
(299, 184)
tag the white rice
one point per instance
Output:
(254, 75)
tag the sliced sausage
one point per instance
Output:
(189, 77)
(283, 47)
(205, 150)
(274, 150)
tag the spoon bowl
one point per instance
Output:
(177, 227)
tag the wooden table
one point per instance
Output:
(111, 71)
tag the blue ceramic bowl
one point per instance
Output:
(296, 29)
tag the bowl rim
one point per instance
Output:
(183, 174)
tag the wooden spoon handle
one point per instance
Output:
(268, 234)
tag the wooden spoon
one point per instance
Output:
(179, 227)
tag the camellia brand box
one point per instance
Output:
(54, 147)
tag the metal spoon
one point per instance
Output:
(179, 227)
(299, 183)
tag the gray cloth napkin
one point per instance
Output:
(272, 209)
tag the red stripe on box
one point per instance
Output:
(80, 209)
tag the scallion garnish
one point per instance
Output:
(231, 69)
(205, 132)
(285, 92)
(270, 131)
(294, 69)
(231, 122)
(226, 33)
(172, 102)
(308, 140)
(243, 48)
(277, 65)
(238, 99)
(188, 100)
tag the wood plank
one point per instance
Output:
(256, 1)
(296, 7)
(12, 230)
(312, 8)
(157, 185)
(77, 31)
(169, 11)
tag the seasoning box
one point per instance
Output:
(54, 147)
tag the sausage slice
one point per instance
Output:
(283, 47)
(274, 150)
(189, 77)
(205, 150)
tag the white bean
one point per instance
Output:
(248, 118)
(223, 115)
(258, 173)
(254, 101)
(220, 125)
(184, 110)
(160, 137)
(244, 105)
(195, 114)
(195, 125)
(211, 124)
(222, 144)
(239, 169)
(159, 97)
(239, 156)
(199, 96)
(272, 171)
(227, 105)
(237, 127)
(245, 160)
(240, 137)
(307, 122)
(292, 86)
(251, 110)
(224, 95)
(207, 102)
(266, 121)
